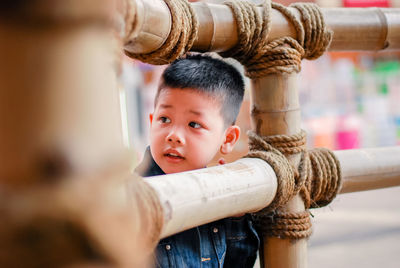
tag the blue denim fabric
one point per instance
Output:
(230, 242)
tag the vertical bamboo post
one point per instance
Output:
(57, 79)
(276, 110)
(64, 166)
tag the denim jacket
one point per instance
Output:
(230, 242)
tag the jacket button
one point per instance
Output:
(168, 247)
(215, 230)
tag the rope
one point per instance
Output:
(181, 38)
(253, 30)
(259, 148)
(317, 179)
(260, 58)
(321, 191)
(316, 37)
(287, 225)
(282, 55)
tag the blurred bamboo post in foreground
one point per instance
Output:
(65, 170)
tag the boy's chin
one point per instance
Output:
(171, 170)
(174, 170)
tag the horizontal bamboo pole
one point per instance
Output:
(194, 198)
(368, 169)
(354, 28)
(151, 26)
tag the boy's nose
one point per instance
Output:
(175, 137)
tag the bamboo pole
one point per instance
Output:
(63, 158)
(354, 28)
(151, 26)
(368, 169)
(200, 196)
(276, 110)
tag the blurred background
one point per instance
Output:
(349, 100)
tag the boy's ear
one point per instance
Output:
(232, 134)
(151, 118)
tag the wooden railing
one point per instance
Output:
(248, 185)
(60, 129)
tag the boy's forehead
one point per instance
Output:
(194, 100)
(167, 93)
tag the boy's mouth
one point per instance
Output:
(174, 156)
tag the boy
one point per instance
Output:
(196, 106)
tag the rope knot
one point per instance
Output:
(286, 225)
(282, 55)
(317, 179)
(181, 38)
(259, 147)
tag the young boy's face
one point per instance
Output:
(187, 130)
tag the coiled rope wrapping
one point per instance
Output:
(181, 38)
(282, 55)
(318, 180)
(287, 225)
(317, 185)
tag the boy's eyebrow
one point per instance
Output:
(165, 106)
(195, 112)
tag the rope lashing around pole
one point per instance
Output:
(291, 225)
(282, 55)
(259, 148)
(181, 38)
(317, 185)
(253, 30)
(318, 180)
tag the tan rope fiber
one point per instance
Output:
(288, 144)
(253, 30)
(317, 179)
(287, 225)
(282, 55)
(260, 148)
(320, 191)
(317, 38)
(181, 38)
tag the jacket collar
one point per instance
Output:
(148, 167)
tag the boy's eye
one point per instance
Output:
(164, 119)
(194, 125)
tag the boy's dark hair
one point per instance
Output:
(208, 75)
